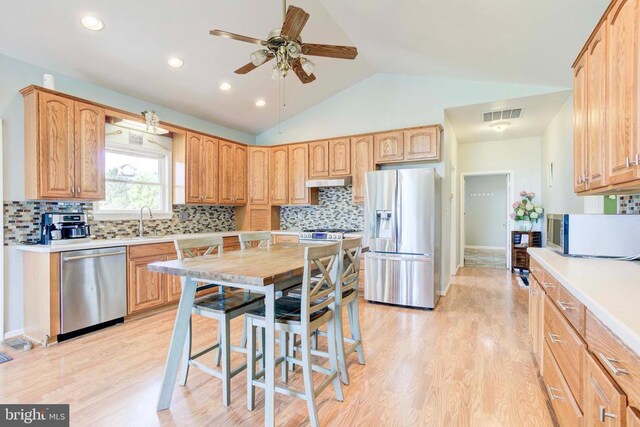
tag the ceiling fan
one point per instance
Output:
(284, 44)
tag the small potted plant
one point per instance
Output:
(525, 212)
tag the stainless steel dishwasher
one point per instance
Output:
(93, 287)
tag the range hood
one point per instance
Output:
(329, 182)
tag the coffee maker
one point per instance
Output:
(64, 227)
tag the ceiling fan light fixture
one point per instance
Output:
(307, 66)
(294, 50)
(259, 57)
(500, 126)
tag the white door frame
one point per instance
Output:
(510, 198)
(1, 241)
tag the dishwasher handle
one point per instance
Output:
(78, 257)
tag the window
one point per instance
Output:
(135, 177)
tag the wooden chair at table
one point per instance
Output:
(222, 306)
(302, 316)
(259, 239)
(351, 253)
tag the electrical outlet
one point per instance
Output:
(184, 216)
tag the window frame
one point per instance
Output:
(165, 184)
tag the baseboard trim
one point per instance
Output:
(445, 291)
(13, 334)
(487, 247)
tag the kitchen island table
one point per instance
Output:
(264, 270)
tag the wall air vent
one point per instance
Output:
(514, 113)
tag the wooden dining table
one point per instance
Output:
(265, 270)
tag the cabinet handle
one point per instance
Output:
(602, 414)
(565, 306)
(73, 190)
(555, 339)
(552, 395)
(79, 190)
(548, 285)
(580, 180)
(609, 361)
(635, 162)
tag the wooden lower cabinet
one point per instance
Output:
(146, 289)
(536, 318)
(562, 401)
(285, 238)
(605, 403)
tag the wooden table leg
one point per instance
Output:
(177, 343)
(269, 357)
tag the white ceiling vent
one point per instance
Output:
(510, 114)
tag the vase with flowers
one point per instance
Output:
(525, 212)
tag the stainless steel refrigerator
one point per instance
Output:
(402, 228)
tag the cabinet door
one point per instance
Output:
(258, 175)
(279, 175)
(534, 314)
(56, 155)
(422, 144)
(226, 172)
(604, 402)
(388, 147)
(89, 152)
(209, 170)
(298, 169)
(596, 107)
(146, 289)
(339, 157)
(239, 174)
(193, 161)
(580, 125)
(566, 409)
(361, 163)
(622, 59)
(318, 159)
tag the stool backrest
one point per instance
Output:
(351, 252)
(186, 248)
(319, 294)
(259, 239)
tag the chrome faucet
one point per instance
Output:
(141, 224)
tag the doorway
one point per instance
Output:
(485, 220)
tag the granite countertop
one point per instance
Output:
(131, 241)
(610, 289)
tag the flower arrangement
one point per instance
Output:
(152, 120)
(526, 210)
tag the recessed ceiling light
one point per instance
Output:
(92, 23)
(261, 103)
(175, 62)
(500, 126)
(225, 86)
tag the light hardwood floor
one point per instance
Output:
(467, 363)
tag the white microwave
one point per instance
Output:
(611, 236)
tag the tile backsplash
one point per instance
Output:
(22, 220)
(334, 210)
(629, 205)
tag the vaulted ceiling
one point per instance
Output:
(531, 42)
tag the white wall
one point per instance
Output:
(485, 213)
(557, 147)
(15, 75)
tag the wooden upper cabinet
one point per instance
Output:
(339, 157)
(299, 194)
(89, 151)
(596, 109)
(622, 91)
(319, 159)
(361, 162)
(209, 166)
(604, 401)
(279, 175)
(240, 174)
(388, 147)
(227, 153)
(56, 153)
(193, 161)
(258, 175)
(422, 143)
(580, 125)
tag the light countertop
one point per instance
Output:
(609, 289)
(131, 241)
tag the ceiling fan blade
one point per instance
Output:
(250, 67)
(228, 35)
(294, 22)
(330, 51)
(304, 77)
